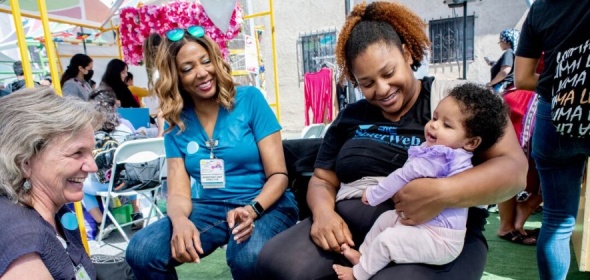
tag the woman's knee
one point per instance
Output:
(242, 264)
(150, 246)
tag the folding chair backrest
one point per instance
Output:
(139, 150)
(312, 131)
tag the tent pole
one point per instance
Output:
(49, 48)
(22, 43)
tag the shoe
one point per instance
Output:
(493, 208)
(139, 224)
(516, 237)
(106, 232)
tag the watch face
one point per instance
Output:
(257, 207)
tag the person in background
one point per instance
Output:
(46, 144)
(46, 81)
(502, 71)
(104, 101)
(19, 83)
(138, 93)
(378, 49)
(114, 78)
(559, 29)
(92, 84)
(214, 128)
(74, 80)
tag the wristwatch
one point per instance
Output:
(257, 207)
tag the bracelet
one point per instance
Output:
(284, 173)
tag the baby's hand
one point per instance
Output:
(364, 198)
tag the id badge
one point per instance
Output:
(212, 173)
(81, 273)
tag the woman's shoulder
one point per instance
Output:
(249, 96)
(247, 92)
(71, 82)
(18, 219)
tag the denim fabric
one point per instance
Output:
(560, 161)
(149, 253)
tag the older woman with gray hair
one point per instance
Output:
(46, 144)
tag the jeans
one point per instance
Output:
(560, 161)
(149, 253)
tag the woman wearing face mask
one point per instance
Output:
(74, 80)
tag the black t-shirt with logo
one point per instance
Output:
(362, 142)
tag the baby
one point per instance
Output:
(469, 119)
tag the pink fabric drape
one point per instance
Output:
(318, 96)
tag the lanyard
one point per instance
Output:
(211, 144)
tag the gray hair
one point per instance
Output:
(29, 120)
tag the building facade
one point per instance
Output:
(304, 42)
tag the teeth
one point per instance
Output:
(205, 85)
(79, 180)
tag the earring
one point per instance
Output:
(27, 185)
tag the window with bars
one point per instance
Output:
(316, 50)
(446, 36)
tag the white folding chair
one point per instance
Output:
(133, 151)
(326, 127)
(312, 131)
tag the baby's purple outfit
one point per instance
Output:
(437, 242)
(426, 162)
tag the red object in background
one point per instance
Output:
(540, 64)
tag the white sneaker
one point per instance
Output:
(106, 231)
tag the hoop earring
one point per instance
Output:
(27, 185)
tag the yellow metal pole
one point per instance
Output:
(21, 40)
(49, 47)
(118, 42)
(274, 59)
(257, 15)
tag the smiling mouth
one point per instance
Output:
(430, 136)
(77, 180)
(390, 97)
(205, 86)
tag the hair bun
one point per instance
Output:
(359, 10)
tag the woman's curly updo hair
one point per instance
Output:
(390, 23)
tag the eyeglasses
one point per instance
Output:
(178, 33)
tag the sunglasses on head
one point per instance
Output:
(178, 33)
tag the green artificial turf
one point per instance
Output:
(506, 260)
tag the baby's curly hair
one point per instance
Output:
(390, 23)
(487, 114)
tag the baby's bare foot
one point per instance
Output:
(343, 272)
(352, 255)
